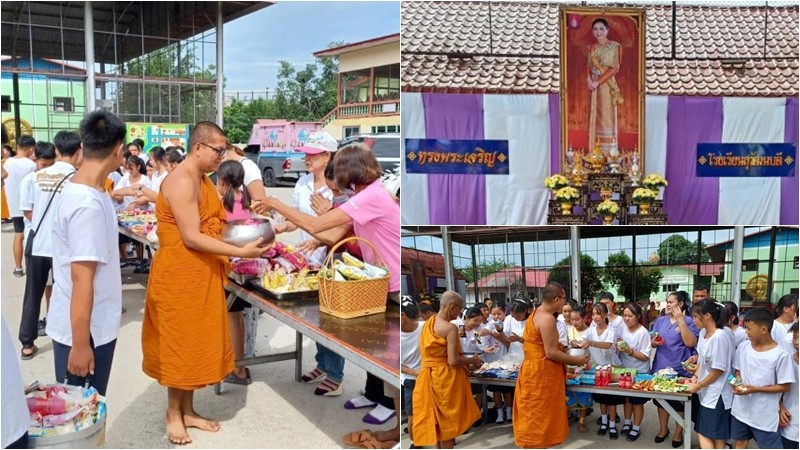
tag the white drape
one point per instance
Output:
(751, 201)
(414, 189)
(655, 136)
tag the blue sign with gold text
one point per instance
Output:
(746, 160)
(457, 156)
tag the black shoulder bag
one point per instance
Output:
(32, 234)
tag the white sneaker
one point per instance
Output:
(500, 416)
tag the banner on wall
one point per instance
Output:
(457, 156)
(746, 160)
(159, 134)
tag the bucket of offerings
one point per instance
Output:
(65, 416)
(351, 288)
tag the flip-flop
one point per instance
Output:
(354, 439)
(233, 379)
(27, 356)
(375, 444)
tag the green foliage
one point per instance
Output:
(619, 273)
(484, 269)
(676, 249)
(590, 277)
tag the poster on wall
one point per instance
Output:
(155, 134)
(602, 60)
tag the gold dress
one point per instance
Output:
(607, 96)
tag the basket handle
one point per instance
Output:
(329, 258)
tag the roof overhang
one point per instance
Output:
(337, 51)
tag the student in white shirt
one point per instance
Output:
(410, 358)
(86, 309)
(599, 340)
(790, 431)
(715, 349)
(514, 329)
(766, 372)
(136, 147)
(785, 316)
(67, 153)
(149, 194)
(14, 170)
(614, 320)
(127, 189)
(635, 355)
(732, 314)
(495, 345)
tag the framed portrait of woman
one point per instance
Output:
(602, 61)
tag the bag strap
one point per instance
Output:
(50, 202)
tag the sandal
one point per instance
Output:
(354, 439)
(374, 443)
(233, 379)
(30, 355)
(626, 429)
(612, 433)
(603, 429)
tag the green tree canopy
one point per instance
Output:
(484, 269)
(619, 272)
(590, 277)
(676, 249)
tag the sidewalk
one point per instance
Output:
(274, 412)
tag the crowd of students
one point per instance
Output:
(703, 340)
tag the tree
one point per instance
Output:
(590, 277)
(619, 273)
(676, 249)
(484, 269)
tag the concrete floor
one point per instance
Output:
(274, 412)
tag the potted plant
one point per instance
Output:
(556, 182)
(644, 197)
(567, 196)
(608, 209)
(654, 182)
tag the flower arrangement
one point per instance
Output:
(654, 181)
(608, 208)
(567, 195)
(556, 182)
(643, 195)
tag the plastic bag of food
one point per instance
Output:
(296, 259)
(350, 272)
(285, 264)
(351, 260)
(374, 271)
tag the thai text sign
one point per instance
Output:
(746, 160)
(457, 156)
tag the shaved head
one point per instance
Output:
(204, 132)
(451, 298)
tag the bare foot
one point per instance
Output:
(176, 430)
(195, 420)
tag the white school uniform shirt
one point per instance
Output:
(561, 327)
(15, 408)
(790, 402)
(124, 182)
(115, 177)
(489, 341)
(603, 356)
(251, 171)
(779, 330)
(85, 229)
(514, 326)
(17, 168)
(639, 341)
(715, 352)
(773, 366)
(739, 336)
(409, 351)
(42, 185)
(301, 199)
(26, 204)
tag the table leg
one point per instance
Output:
(298, 354)
(687, 424)
(485, 404)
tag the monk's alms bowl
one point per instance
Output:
(577, 351)
(244, 231)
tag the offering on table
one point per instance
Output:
(280, 281)
(61, 409)
(249, 267)
(668, 372)
(350, 272)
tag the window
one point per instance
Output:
(387, 83)
(750, 265)
(63, 104)
(7, 107)
(795, 263)
(385, 129)
(351, 131)
(379, 129)
(355, 86)
(670, 287)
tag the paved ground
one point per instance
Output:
(273, 412)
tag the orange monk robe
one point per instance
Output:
(4, 212)
(185, 338)
(540, 412)
(109, 186)
(443, 404)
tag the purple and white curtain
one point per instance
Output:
(674, 125)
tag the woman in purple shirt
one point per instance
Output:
(675, 343)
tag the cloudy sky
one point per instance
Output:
(293, 30)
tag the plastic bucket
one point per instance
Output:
(90, 437)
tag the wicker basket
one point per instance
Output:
(348, 299)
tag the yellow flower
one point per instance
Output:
(642, 195)
(608, 208)
(567, 194)
(556, 182)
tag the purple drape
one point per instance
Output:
(455, 199)
(789, 198)
(555, 133)
(690, 200)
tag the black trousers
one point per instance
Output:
(37, 268)
(374, 391)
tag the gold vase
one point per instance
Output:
(566, 209)
(644, 208)
(607, 220)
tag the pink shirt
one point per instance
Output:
(238, 212)
(376, 218)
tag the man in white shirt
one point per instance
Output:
(86, 308)
(13, 171)
(47, 185)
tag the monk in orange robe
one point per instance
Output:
(540, 412)
(443, 404)
(185, 337)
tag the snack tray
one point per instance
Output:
(296, 295)
(240, 279)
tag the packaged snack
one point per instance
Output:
(351, 260)
(374, 272)
(349, 272)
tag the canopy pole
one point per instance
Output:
(88, 41)
(575, 261)
(449, 276)
(736, 273)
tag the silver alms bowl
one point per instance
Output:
(243, 232)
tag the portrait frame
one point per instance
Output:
(584, 117)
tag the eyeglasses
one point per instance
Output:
(220, 151)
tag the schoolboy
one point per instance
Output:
(790, 431)
(766, 372)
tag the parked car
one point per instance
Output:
(277, 166)
(386, 147)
